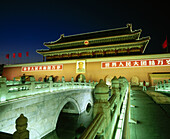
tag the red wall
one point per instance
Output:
(11, 72)
(93, 72)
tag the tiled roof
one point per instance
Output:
(92, 35)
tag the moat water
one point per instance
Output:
(68, 124)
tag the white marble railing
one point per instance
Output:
(14, 89)
(118, 106)
(97, 123)
(163, 86)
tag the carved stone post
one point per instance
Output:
(164, 84)
(51, 84)
(21, 127)
(115, 86)
(72, 79)
(93, 84)
(116, 91)
(32, 79)
(121, 80)
(160, 85)
(89, 83)
(79, 81)
(85, 83)
(101, 105)
(63, 81)
(3, 89)
(72, 82)
(123, 84)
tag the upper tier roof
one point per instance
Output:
(91, 35)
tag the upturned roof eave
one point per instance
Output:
(146, 44)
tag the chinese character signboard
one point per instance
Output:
(42, 68)
(80, 66)
(136, 63)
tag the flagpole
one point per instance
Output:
(7, 57)
(167, 44)
(167, 48)
(27, 57)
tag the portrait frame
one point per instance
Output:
(80, 66)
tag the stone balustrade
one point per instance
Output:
(163, 86)
(109, 111)
(110, 104)
(10, 90)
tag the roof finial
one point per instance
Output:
(129, 26)
(62, 35)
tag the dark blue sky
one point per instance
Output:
(26, 24)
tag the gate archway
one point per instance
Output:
(81, 77)
(134, 80)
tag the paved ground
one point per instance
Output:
(153, 119)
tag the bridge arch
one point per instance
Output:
(45, 109)
(65, 103)
(88, 105)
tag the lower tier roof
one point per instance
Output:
(140, 43)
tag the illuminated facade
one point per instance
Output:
(114, 42)
(97, 68)
(97, 55)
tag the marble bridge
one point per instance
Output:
(41, 103)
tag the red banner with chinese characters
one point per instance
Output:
(136, 63)
(42, 68)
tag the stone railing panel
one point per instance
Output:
(163, 86)
(14, 89)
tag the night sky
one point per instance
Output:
(26, 24)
